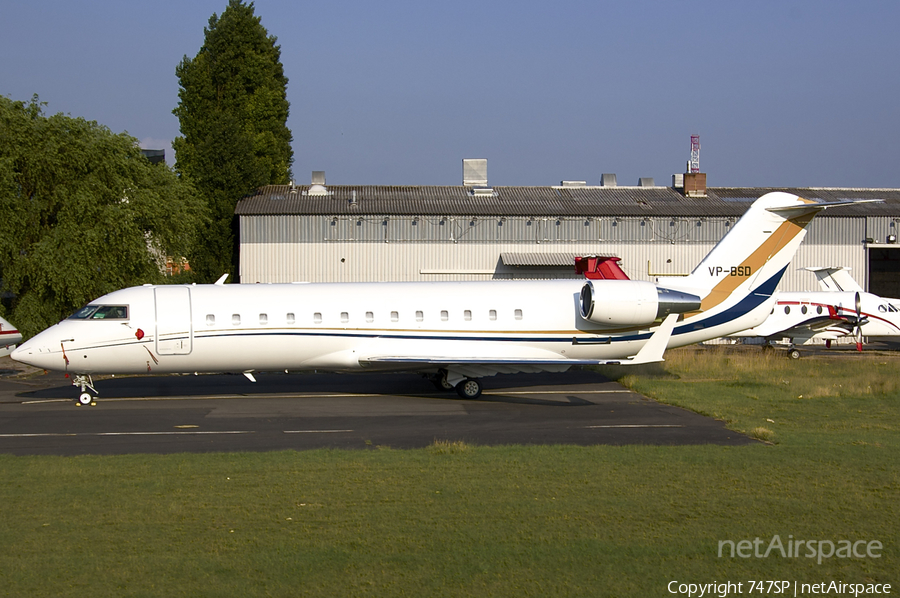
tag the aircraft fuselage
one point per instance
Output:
(346, 326)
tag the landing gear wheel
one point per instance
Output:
(84, 382)
(469, 388)
(441, 381)
(793, 354)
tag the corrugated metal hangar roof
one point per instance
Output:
(554, 260)
(539, 201)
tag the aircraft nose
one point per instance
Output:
(21, 353)
(34, 354)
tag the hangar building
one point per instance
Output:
(475, 231)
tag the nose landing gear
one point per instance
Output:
(85, 382)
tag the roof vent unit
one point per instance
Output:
(482, 192)
(608, 179)
(475, 173)
(646, 181)
(678, 181)
(573, 183)
(317, 187)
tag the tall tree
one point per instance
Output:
(82, 213)
(233, 112)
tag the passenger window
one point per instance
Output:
(787, 309)
(235, 319)
(370, 317)
(317, 317)
(395, 316)
(819, 309)
(419, 316)
(445, 315)
(210, 320)
(263, 319)
(518, 314)
(882, 308)
(492, 314)
(291, 319)
(467, 315)
(803, 310)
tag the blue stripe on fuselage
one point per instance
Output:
(756, 298)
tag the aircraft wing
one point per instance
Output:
(833, 328)
(527, 359)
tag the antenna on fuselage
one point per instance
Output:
(221, 280)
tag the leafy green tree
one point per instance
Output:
(82, 213)
(233, 112)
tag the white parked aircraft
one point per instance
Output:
(456, 331)
(9, 337)
(842, 309)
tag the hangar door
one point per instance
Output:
(173, 320)
(884, 271)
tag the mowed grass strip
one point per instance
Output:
(462, 520)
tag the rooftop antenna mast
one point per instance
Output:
(695, 153)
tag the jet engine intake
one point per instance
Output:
(632, 302)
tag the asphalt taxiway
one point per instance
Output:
(171, 414)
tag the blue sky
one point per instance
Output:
(782, 93)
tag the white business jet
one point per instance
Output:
(9, 337)
(457, 332)
(842, 309)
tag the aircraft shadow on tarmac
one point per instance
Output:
(525, 389)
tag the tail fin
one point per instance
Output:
(755, 253)
(9, 337)
(836, 278)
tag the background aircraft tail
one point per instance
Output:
(835, 279)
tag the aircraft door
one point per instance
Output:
(174, 331)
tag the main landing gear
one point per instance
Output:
(467, 388)
(470, 388)
(85, 382)
(792, 351)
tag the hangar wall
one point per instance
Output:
(291, 233)
(310, 248)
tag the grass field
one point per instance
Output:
(458, 520)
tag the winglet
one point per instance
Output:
(655, 347)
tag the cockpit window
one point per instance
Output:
(101, 312)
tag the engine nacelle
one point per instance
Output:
(632, 302)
